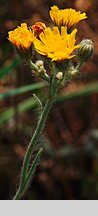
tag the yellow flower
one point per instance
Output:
(55, 45)
(21, 37)
(66, 17)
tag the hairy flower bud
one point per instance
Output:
(74, 73)
(59, 76)
(85, 52)
(38, 28)
(40, 65)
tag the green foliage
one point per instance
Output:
(28, 178)
(8, 68)
(32, 103)
(84, 91)
(24, 106)
(21, 90)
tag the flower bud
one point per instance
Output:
(74, 73)
(39, 63)
(59, 76)
(38, 28)
(85, 52)
(42, 70)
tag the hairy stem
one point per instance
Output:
(32, 144)
(21, 190)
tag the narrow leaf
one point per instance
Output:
(8, 68)
(22, 90)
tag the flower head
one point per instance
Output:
(66, 17)
(55, 45)
(38, 27)
(86, 50)
(21, 37)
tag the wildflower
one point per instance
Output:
(86, 50)
(66, 17)
(55, 45)
(38, 28)
(21, 37)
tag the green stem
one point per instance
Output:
(32, 144)
(25, 185)
(78, 67)
(34, 67)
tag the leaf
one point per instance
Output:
(32, 103)
(84, 91)
(20, 108)
(22, 90)
(32, 168)
(8, 68)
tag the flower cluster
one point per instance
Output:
(57, 43)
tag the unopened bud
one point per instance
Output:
(42, 70)
(59, 76)
(38, 28)
(39, 63)
(86, 50)
(74, 72)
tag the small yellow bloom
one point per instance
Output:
(66, 17)
(21, 37)
(55, 45)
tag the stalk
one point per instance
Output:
(32, 144)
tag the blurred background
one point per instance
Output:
(69, 165)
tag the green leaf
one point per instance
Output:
(32, 169)
(32, 103)
(84, 91)
(22, 90)
(24, 106)
(8, 68)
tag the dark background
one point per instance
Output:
(69, 164)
